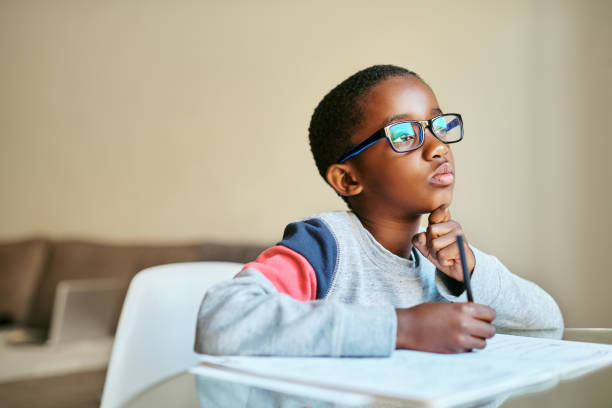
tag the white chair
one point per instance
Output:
(156, 331)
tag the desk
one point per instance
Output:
(27, 361)
(187, 390)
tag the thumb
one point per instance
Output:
(420, 242)
(440, 215)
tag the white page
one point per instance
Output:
(507, 363)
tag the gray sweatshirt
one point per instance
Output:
(330, 289)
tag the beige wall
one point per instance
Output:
(175, 121)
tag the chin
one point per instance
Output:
(442, 201)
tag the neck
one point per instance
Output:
(395, 235)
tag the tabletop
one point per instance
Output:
(189, 390)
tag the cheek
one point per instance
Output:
(412, 168)
(406, 175)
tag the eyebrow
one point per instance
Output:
(404, 116)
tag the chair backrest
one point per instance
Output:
(156, 330)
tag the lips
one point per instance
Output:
(444, 175)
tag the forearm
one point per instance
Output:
(523, 305)
(248, 316)
(520, 304)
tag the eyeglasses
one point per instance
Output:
(409, 135)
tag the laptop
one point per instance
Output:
(82, 309)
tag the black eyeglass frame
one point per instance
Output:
(384, 133)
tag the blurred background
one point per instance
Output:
(173, 122)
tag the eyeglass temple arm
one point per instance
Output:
(362, 146)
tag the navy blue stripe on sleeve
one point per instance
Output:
(315, 242)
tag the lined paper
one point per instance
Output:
(507, 364)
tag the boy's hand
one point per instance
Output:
(439, 244)
(444, 327)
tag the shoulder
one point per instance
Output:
(324, 228)
(316, 239)
(323, 224)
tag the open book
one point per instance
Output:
(508, 363)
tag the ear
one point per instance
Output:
(343, 179)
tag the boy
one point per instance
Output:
(366, 281)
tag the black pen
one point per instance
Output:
(466, 273)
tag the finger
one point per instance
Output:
(449, 255)
(437, 230)
(467, 343)
(481, 329)
(476, 343)
(420, 242)
(444, 240)
(440, 214)
(483, 312)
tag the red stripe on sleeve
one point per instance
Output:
(289, 272)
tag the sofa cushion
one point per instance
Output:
(84, 259)
(21, 267)
(241, 253)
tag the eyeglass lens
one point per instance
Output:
(405, 136)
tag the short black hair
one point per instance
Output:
(339, 113)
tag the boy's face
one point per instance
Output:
(402, 184)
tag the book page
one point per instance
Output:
(507, 363)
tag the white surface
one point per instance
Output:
(427, 379)
(18, 362)
(156, 330)
(346, 398)
(80, 334)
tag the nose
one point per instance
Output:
(432, 147)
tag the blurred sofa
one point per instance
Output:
(72, 374)
(31, 269)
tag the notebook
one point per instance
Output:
(508, 364)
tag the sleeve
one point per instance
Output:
(274, 305)
(519, 303)
(302, 265)
(289, 272)
(247, 316)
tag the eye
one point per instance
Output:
(403, 137)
